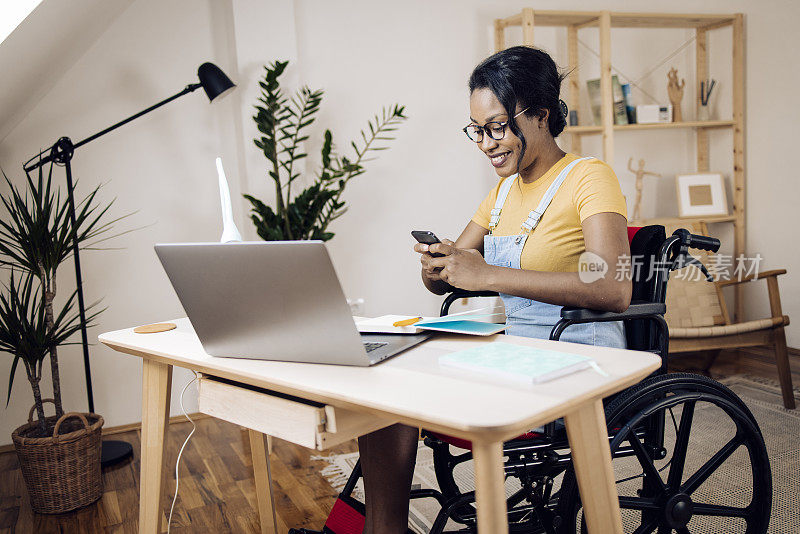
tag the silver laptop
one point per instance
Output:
(276, 300)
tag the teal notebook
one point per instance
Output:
(462, 326)
(517, 363)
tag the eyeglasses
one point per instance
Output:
(494, 129)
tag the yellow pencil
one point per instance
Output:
(407, 322)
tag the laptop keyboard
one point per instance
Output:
(373, 345)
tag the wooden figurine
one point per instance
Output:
(675, 91)
(640, 173)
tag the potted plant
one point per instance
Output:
(282, 122)
(59, 455)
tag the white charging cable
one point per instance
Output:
(178, 461)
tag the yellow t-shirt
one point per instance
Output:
(557, 241)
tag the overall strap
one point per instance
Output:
(535, 215)
(501, 199)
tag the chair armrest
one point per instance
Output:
(751, 277)
(636, 310)
(462, 294)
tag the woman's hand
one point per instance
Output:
(470, 238)
(462, 268)
(430, 272)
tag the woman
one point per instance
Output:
(551, 214)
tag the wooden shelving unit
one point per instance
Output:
(574, 21)
(586, 130)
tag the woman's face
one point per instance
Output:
(506, 154)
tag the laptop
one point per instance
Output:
(277, 300)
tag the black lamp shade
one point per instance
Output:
(213, 80)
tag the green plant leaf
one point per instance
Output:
(283, 121)
(11, 378)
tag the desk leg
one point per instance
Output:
(591, 456)
(260, 447)
(156, 388)
(490, 487)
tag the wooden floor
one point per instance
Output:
(217, 493)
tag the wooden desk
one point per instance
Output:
(410, 388)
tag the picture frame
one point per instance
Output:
(701, 194)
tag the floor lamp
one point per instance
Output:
(215, 83)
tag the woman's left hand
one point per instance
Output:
(462, 268)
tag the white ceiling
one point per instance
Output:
(12, 13)
(43, 47)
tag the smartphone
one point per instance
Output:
(427, 238)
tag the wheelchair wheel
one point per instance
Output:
(530, 507)
(717, 482)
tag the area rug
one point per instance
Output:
(780, 428)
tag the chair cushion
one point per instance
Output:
(728, 329)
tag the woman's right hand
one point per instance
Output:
(429, 272)
(470, 238)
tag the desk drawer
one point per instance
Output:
(310, 424)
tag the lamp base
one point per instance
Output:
(115, 452)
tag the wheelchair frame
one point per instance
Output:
(544, 456)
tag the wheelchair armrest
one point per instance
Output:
(636, 310)
(462, 294)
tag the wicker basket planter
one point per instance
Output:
(62, 472)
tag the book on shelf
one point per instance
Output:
(630, 109)
(596, 101)
(620, 110)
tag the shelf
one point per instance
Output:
(621, 20)
(666, 20)
(588, 130)
(702, 24)
(710, 219)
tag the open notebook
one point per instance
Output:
(472, 324)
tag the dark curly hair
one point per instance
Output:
(526, 76)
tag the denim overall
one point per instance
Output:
(530, 318)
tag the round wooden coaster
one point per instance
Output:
(154, 328)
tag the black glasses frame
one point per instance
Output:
(487, 128)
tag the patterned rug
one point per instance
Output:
(780, 428)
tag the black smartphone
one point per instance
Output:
(427, 238)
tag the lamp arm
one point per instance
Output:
(55, 153)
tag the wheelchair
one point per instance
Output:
(663, 487)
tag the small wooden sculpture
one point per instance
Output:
(675, 91)
(640, 173)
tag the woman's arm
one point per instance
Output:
(605, 235)
(471, 238)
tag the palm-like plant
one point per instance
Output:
(283, 122)
(36, 236)
(30, 332)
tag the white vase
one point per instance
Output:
(704, 113)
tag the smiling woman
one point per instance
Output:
(549, 212)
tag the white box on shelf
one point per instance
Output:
(653, 114)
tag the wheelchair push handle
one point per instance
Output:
(686, 240)
(700, 242)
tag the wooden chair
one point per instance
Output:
(698, 318)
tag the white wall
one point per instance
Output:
(365, 55)
(160, 168)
